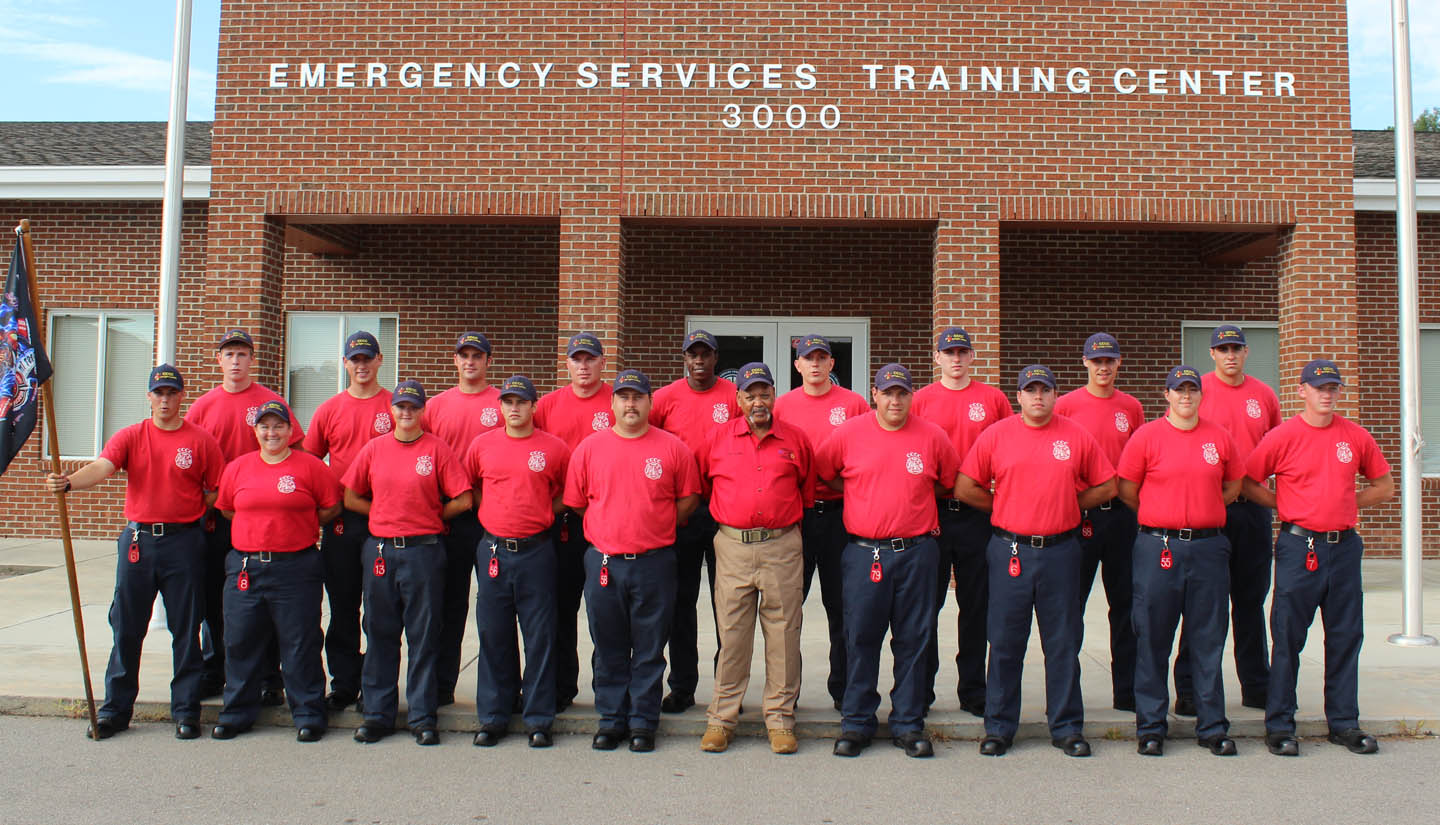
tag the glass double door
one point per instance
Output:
(773, 340)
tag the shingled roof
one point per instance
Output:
(143, 144)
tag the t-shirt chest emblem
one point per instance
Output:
(914, 464)
(601, 421)
(1211, 453)
(489, 416)
(382, 422)
(537, 461)
(837, 416)
(654, 469)
(1122, 422)
(1061, 450)
(184, 458)
(721, 413)
(424, 465)
(1343, 452)
(250, 413)
(285, 484)
(1252, 408)
(977, 411)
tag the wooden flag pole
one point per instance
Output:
(47, 411)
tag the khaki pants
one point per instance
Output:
(765, 578)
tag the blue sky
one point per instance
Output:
(110, 59)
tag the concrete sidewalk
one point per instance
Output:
(39, 665)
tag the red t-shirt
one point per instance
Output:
(405, 482)
(1180, 473)
(757, 485)
(890, 476)
(694, 415)
(166, 471)
(629, 487)
(230, 417)
(817, 416)
(1037, 473)
(962, 414)
(1110, 420)
(1314, 469)
(572, 418)
(459, 416)
(343, 424)
(518, 479)
(1247, 412)
(275, 504)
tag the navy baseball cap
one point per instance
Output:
(585, 342)
(813, 343)
(1102, 345)
(1036, 374)
(166, 376)
(518, 385)
(1227, 334)
(475, 340)
(361, 343)
(754, 373)
(1183, 374)
(235, 336)
(700, 336)
(1320, 372)
(408, 391)
(275, 408)
(893, 375)
(951, 338)
(632, 380)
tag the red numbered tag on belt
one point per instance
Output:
(565, 531)
(379, 566)
(1166, 562)
(876, 574)
(1312, 563)
(242, 581)
(339, 527)
(1087, 529)
(134, 554)
(1014, 566)
(494, 567)
(604, 576)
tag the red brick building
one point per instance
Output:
(1030, 171)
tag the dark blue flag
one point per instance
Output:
(23, 365)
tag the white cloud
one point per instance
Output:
(1371, 72)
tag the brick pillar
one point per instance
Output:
(243, 284)
(1316, 296)
(592, 278)
(966, 285)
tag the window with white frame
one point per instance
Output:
(102, 364)
(314, 348)
(1263, 339)
(1429, 400)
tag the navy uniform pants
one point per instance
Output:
(282, 604)
(406, 598)
(630, 619)
(523, 589)
(823, 536)
(212, 629)
(343, 539)
(570, 546)
(1109, 549)
(1045, 587)
(1335, 588)
(454, 609)
(694, 549)
(1196, 586)
(903, 601)
(174, 566)
(1248, 527)
(964, 533)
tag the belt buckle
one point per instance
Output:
(754, 535)
(630, 556)
(513, 545)
(1333, 536)
(819, 506)
(398, 541)
(1037, 542)
(1185, 534)
(265, 556)
(898, 545)
(1108, 505)
(157, 529)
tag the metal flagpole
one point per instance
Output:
(173, 208)
(47, 411)
(1411, 439)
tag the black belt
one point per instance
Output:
(1037, 542)
(1327, 536)
(1183, 533)
(401, 542)
(1105, 505)
(160, 528)
(268, 556)
(953, 505)
(822, 506)
(514, 545)
(896, 544)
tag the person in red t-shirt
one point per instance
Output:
(1107, 532)
(632, 484)
(817, 407)
(963, 407)
(691, 408)
(1045, 469)
(228, 412)
(172, 472)
(761, 471)
(890, 466)
(343, 424)
(407, 485)
(520, 473)
(1178, 473)
(573, 413)
(458, 414)
(1314, 458)
(276, 499)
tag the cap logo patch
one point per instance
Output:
(424, 465)
(1212, 455)
(184, 458)
(471, 339)
(654, 469)
(489, 416)
(1061, 450)
(1122, 422)
(1326, 369)
(285, 484)
(382, 422)
(1227, 333)
(1343, 452)
(721, 413)
(601, 421)
(914, 464)
(977, 411)
(754, 371)
(1252, 408)
(1036, 373)
(837, 416)
(537, 461)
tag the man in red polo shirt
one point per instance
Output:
(759, 469)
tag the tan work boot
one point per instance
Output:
(782, 740)
(716, 739)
